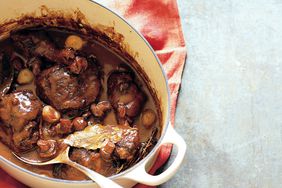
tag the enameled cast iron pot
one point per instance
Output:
(102, 19)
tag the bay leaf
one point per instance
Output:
(96, 136)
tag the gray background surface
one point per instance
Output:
(229, 109)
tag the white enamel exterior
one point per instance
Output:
(98, 15)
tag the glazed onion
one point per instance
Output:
(50, 114)
(74, 42)
(25, 76)
(148, 118)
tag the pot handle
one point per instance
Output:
(140, 175)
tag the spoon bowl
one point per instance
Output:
(63, 157)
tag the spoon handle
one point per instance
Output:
(102, 181)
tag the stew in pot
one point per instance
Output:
(60, 87)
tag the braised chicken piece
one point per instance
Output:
(125, 96)
(107, 151)
(65, 91)
(19, 112)
(35, 45)
(127, 147)
(92, 160)
(31, 45)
